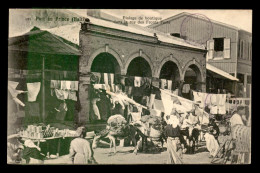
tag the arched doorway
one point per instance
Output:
(170, 71)
(100, 108)
(105, 63)
(192, 77)
(139, 67)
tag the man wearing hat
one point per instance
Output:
(237, 116)
(80, 148)
(172, 132)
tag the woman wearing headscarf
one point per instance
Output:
(80, 149)
(172, 132)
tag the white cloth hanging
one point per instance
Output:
(33, 91)
(163, 83)
(169, 84)
(137, 81)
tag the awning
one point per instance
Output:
(220, 72)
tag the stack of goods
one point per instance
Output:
(242, 136)
(32, 131)
(117, 124)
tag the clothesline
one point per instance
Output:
(127, 99)
(178, 96)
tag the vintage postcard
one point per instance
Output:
(137, 86)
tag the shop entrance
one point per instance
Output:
(192, 81)
(170, 71)
(139, 67)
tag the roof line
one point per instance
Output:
(185, 13)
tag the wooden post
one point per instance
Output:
(43, 88)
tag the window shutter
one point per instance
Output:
(227, 48)
(210, 48)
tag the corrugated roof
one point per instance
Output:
(44, 42)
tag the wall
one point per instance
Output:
(197, 29)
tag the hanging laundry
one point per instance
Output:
(105, 75)
(167, 103)
(222, 104)
(68, 85)
(63, 85)
(13, 84)
(163, 83)
(72, 95)
(169, 84)
(137, 81)
(112, 78)
(65, 94)
(74, 85)
(186, 88)
(152, 97)
(59, 94)
(188, 105)
(158, 104)
(214, 110)
(33, 91)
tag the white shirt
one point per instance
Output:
(236, 119)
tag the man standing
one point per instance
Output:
(172, 132)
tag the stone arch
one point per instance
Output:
(166, 59)
(103, 50)
(135, 55)
(197, 64)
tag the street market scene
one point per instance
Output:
(94, 86)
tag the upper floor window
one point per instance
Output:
(218, 48)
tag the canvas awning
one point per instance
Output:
(221, 72)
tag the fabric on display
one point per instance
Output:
(59, 94)
(155, 112)
(188, 105)
(33, 91)
(222, 104)
(72, 95)
(55, 84)
(163, 83)
(136, 116)
(13, 84)
(106, 78)
(152, 97)
(214, 110)
(169, 84)
(167, 103)
(137, 81)
(65, 94)
(74, 85)
(158, 104)
(186, 88)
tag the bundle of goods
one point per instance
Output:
(242, 136)
(154, 124)
(116, 124)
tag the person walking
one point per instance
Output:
(172, 133)
(80, 149)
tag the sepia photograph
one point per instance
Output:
(129, 86)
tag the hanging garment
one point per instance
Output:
(95, 108)
(163, 83)
(186, 88)
(137, 81)
(65, 94)
(188, 105)
(214, 110)
(74, 85)
(169, 84)
(105, 76)
(55, 84)
(13, 84)
(33, 91)
(68, 85)
(59, 94)
(63, 85)
(222, 104)
(167, 103)
(72, 95)
(112, 78)
(214, 99)
(158, 104)
(152, 97)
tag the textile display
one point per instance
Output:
(33, 91)
(186, 88)
(169, 84)
(163, 83)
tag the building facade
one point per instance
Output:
(229, 49)
(113, 48)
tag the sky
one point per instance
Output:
(239, 18)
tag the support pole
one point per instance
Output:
(43, 88)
